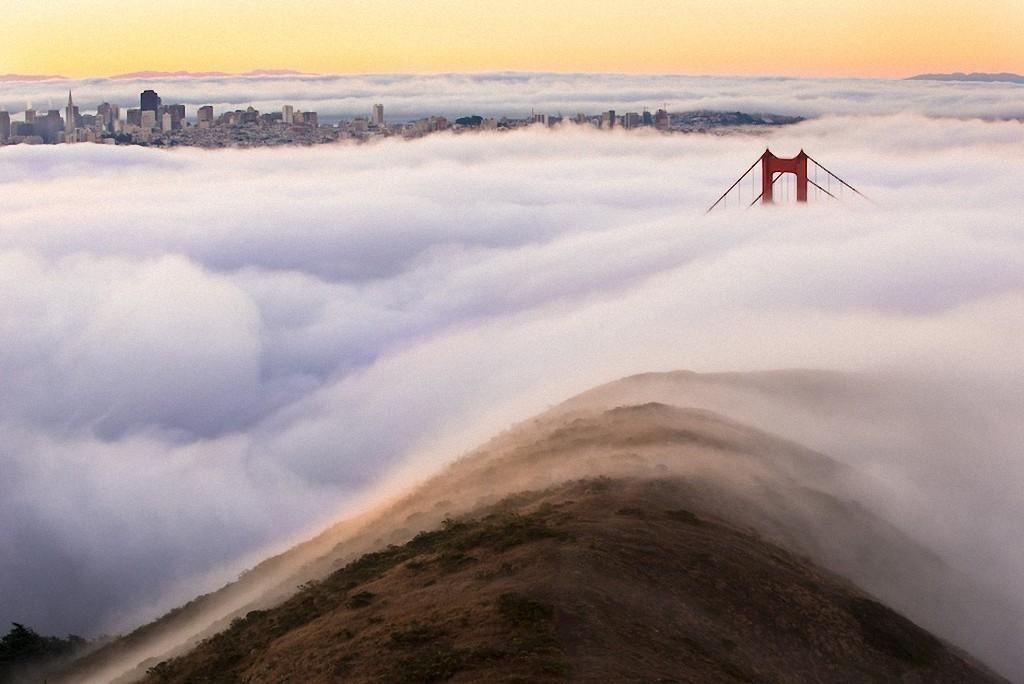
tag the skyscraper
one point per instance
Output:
(204, 117)
(51, 126)
(103, 113)
(69, 116)
(5, 125)
(378, 115)
(177, 113)
(288, 114)
(149, 101)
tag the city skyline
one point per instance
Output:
(154, 122)
(870, 38)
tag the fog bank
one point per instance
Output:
(205, 353)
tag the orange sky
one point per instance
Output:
(889, 38)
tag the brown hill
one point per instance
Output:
(744, 483)
(610, 580)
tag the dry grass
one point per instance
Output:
(595, 580)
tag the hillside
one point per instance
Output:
(640, 434)
(593, 580)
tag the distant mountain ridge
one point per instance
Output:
(28, 78)
(206, 74)
(975, 77)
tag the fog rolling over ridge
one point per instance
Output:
(632, 441)
(205, 355)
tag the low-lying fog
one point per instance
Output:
(513, 94)
(204, 354)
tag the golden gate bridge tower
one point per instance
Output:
(784, 177)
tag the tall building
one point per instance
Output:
(5, 125)
(22, 128)
(288, 114)
(106, 113)
(69, 116)
(204, 117)
(30, 114)
(378, 115)
(51, 126)
(148, 119)
(177, 113)
(166, 121)
(133, 117)
(149, 101)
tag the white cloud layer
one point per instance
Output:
(205, 353)
(517, 94)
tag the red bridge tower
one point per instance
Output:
(773, 168)
(772, 165)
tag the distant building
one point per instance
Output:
(631, 120)
(310, 119)
(204, 117)
(177, 113)
(661, 120)
(148, 119)
(133, 117)
(22, 129)
(108, 115)
(50, 127)
(5, 125)
(378, 115)
(608, 119)
(30, 114)
(69, 117)
(288, 114)
(166, 121)
(149, 101)
(648, 119)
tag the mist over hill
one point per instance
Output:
(593, 473)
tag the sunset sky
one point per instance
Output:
(883, 38)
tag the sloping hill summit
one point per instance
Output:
(648, 530)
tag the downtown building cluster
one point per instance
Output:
(154, 123)
(166, 125)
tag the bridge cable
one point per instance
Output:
(842, 182)
(733, 186)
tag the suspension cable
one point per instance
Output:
(758, 161)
